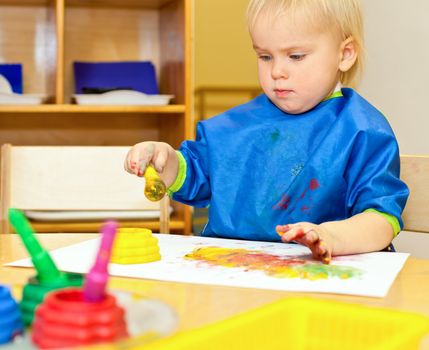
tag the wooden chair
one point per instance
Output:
(50, 180)
(415, 173)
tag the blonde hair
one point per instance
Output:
(342, 17)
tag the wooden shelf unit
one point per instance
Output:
(46, 36)
(67, 108)
(176, 226)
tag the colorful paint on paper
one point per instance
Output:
(272, 265)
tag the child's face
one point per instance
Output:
(298, 65)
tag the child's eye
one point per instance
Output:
(265, 58)
(297, 56)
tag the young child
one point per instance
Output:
(307, 160)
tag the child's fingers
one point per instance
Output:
(326, 257)
(317, 246)
(145, 157)
(292, 234)
(281, 229)
(128, 166)
(139, 157)
(132, 162)
(311, 236)
(320, 251)
(307, 236)
(160, 159)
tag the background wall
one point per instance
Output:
(223, 50)
(397, 73)
(223, 53)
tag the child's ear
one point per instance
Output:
(348, 54)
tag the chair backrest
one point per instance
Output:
(415, 173)
(84, 178)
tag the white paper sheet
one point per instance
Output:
(369, 274)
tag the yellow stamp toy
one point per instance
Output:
(155, 188)
(135, 246)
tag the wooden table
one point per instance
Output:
(197, 305)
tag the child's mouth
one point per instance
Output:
(280, 93)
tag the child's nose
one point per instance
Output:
(279, 70)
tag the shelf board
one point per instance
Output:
(139, 4)
(25, 2)
(71, 108)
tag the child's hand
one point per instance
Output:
(145, 153)
(317, 239)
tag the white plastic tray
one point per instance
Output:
(21, 99)
(123, 97)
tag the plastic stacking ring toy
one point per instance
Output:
(135, 246)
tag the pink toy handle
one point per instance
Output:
(94, 288)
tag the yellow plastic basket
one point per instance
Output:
(305, 323)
